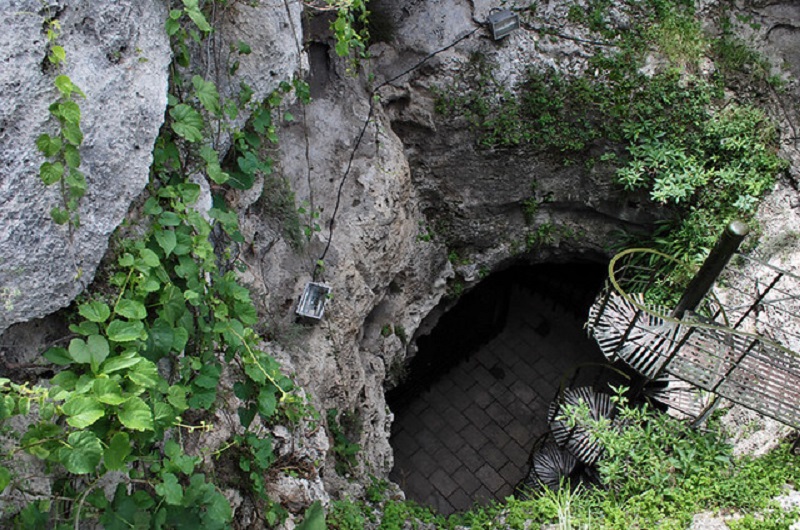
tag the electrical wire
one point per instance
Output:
(332, 223)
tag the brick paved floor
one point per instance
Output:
(467, 439)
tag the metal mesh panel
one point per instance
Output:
(741, 346)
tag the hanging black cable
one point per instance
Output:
(360, 137)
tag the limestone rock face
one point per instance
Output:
(379, 190)
(117, 53)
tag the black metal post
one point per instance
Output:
(698, 288)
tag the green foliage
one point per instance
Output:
(344, 451)
(656, 472)
(62, 149)
(774, 520)
(152, 342)
(669, 133)
(350, 29)
(314, 518)
(346, 515)
(425, 234)
(660, 471)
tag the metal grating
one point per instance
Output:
(741, 346)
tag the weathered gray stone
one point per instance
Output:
(117, 53)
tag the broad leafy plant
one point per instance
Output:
(142, 370)
(672, 134)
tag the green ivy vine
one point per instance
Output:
(141, 371)
(61, 149)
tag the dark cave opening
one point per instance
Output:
(475, 396)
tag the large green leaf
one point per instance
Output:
(206, 92)
(7, 405)
(98, 350)
(82, 411)
(76, 183)
(121, 331)
(241, 180)
(79, 351)
(166, 240)
(83, 453)
(59, 356)
(119, 448)
(65, 85)
(179, 459)
(5, 478)
(59, 215)
(145, 374)
(51, 172)
(170, 489)
(164, 415)
(108, 391)
(95, 311)
(149, 257)
(177, 398)
(267, 402)
(131, 309)
(120, 362)
(72, 156)
(85, 328)
(208, 376)
(48, 145)
(68, 112)
(187, 122)
(72, 132)
(314, 518)
(160, 338)
(193, 10)
(136, 415)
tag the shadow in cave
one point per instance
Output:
(475, 396)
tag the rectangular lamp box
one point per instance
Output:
(313, 300)
(503, 22)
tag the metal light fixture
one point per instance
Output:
(313, 300)
(502, 22)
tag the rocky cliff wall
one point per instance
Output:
(118, 54)
(407, 185)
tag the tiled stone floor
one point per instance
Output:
(467, 439)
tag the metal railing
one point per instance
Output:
(741, 345)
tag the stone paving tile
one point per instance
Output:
(426, 437)
(466, 479)
(474, 437)
(511, 473)
(496, 434)
(481, 397)
(516, 453)
(478, 417)
(418, 406)
(483, 495)
(471, 458)
(467, 439)
(432, 420)
(459, 399)
(490, 478)
(499, 414)
(494, 456)
(463, 378)
(455, 419)
(482, 375)
(424, 463)
(444, 484)
(452, 440)
(447, 459)
(460, 500)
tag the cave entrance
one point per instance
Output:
(476, 394)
